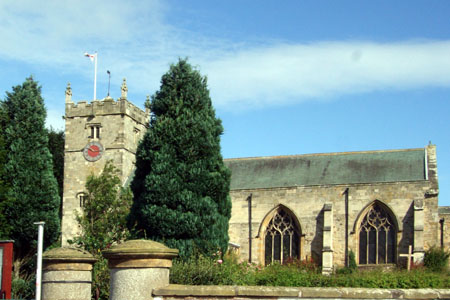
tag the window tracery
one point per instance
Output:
(377, 237)
(282, 238)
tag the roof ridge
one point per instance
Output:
(323, 154)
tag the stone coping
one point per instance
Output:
(68, 254)
(140, 249)
(228, 291)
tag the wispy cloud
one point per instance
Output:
(137, 42)
(284, 73)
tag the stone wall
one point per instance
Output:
(175, 292)
(306, 204)
(444, 227)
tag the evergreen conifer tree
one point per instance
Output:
(56, 140)
(33, 190)
(181, 185)
(5, 227)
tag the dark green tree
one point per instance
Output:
(56, 147)
(5, 226)
(33, 190)
(181, 185)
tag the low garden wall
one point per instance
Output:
(176, 292)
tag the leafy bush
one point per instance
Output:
(436, 259)
(352, 261)
(100, 279)
(307, 264)
(352, 267)
(213, 271)
(23, 288)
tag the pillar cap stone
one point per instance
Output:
(68, 254)
(140, 248)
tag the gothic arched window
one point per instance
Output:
(377, 236)
(282, 238)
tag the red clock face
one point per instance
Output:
(93, 151)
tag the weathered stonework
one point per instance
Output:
(178, 292)
(417, 227)
(327, 246)
(67, 274)
(444, 227)
(121, 126)
(137, 267)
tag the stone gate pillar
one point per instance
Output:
(67, 274)
(137, 267)
(327, 247)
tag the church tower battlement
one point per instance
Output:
(95, 133)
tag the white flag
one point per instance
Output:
(91, 56)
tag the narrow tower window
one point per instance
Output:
(136, 135)
(82, 198)
(94, 130)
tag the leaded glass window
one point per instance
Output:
(377, 237)
(282, 238)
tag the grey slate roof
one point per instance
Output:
(329, 168)
(444, 210)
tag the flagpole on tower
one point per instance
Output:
(93, 57)
(95, 76)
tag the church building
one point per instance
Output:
(319, 207)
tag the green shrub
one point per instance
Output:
(436, 259)
(306, 265)
(209, 271)
(100, 279)
(352, 261)
(351, 268)
(23, 288)
(344, 271)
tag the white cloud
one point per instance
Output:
(135, 41)
(291, 73)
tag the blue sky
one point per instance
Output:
(286, 77)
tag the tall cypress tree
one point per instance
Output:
(5, 227)
(56, 140)
(33, 190)
(181, 185)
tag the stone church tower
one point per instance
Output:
(96, 132)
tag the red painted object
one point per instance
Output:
(6, 250)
